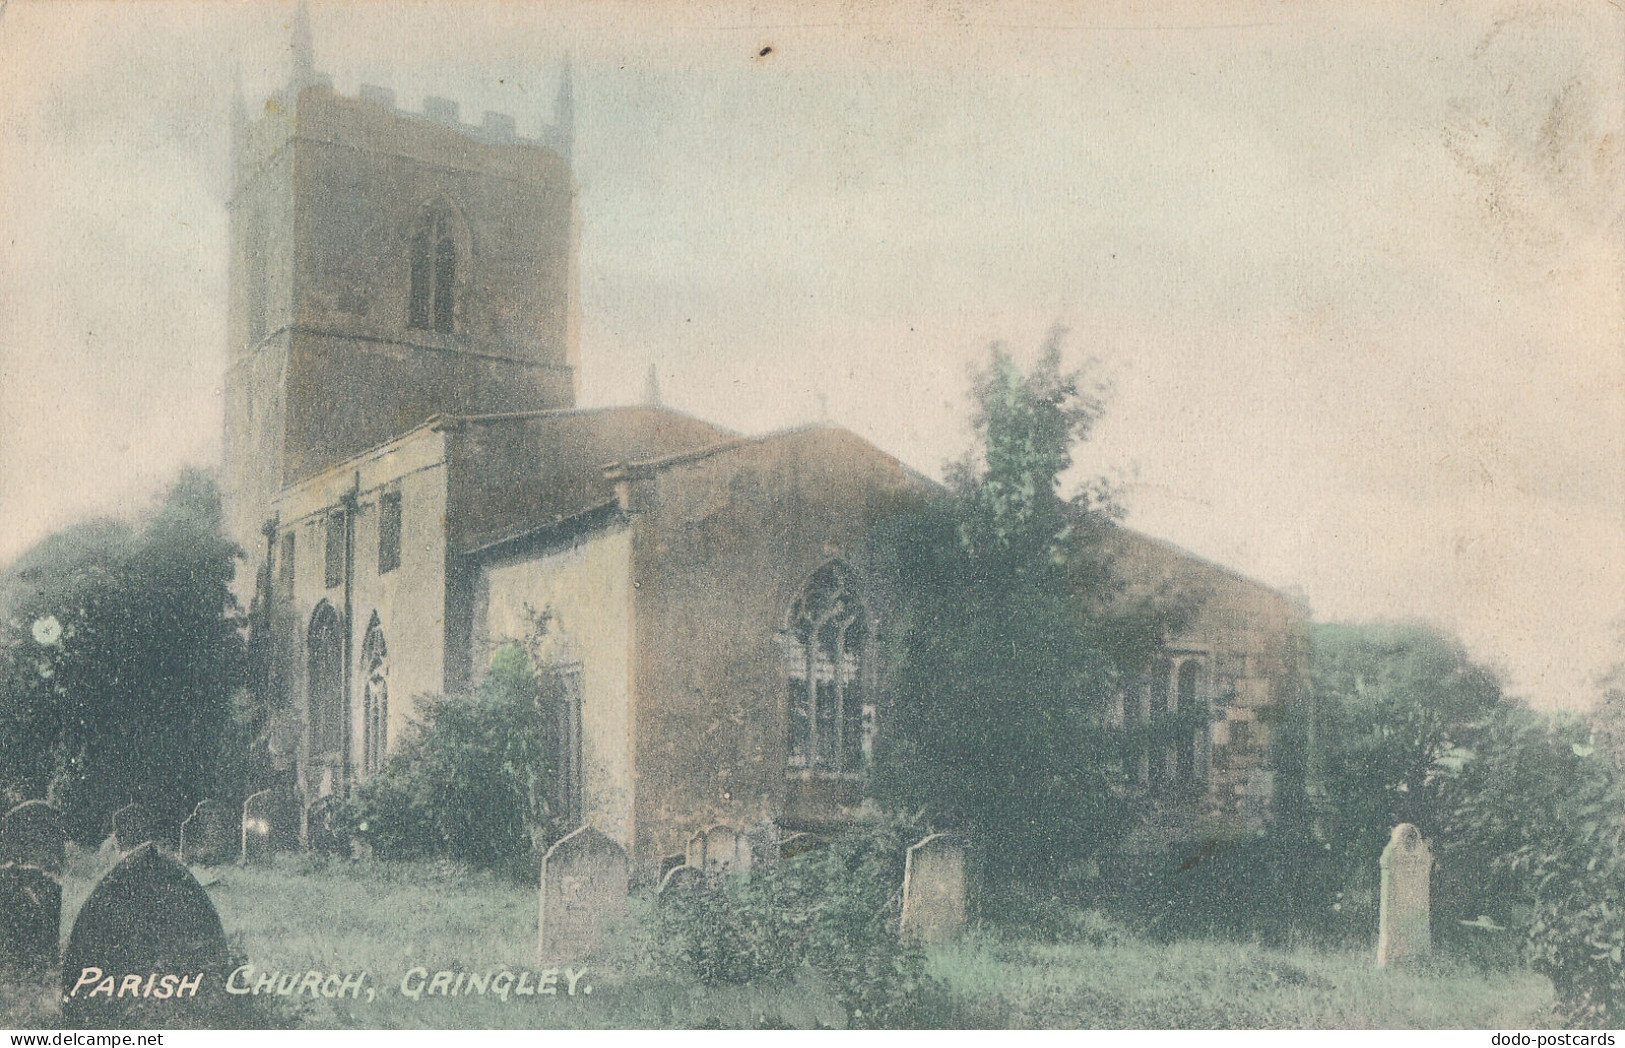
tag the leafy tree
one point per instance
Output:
(120, 650)
(473, 780)
(1021, 636)
(1397, 706)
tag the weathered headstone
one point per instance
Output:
(1404, 911)
(134, 825)
(324, 826)
(720, 848)
(147, 950)
(209, 834)
(799, 844)
(1258, 800)
(680, 880)
(584, 881)
(30, 918)
(31, 834)
(934, 889)
(270, 825)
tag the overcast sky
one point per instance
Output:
(1355, 274)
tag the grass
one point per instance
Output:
(1205, 984)
(306, 913)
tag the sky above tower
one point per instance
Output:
(1354, 271)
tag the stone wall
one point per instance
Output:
(724, 544)
(587, 585)
(1251, 644)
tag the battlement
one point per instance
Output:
(494, 128)
(257, 141)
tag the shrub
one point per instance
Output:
(1533, 841)
(833, 910)
(472, 781)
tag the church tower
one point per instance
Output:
(386, 267)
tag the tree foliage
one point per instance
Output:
(472, 781)
(120, 651)
(833, 909)
(1020, 638)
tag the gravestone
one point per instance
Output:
(584, 881)
(31, 835)
(934, 889)
(720, 849)
(1258, 801)
(146, 951)
(209, 834)
(799, 844)
(134, 825)
(324, 827)
(680, 880)
(270, 825)
(30, 918)
(1404, 914)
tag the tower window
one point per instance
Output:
(432, 306)
(389, 532)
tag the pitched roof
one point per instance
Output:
(517, 472)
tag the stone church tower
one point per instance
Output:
(387, 267)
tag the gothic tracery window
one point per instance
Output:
(375, 698)
(324, 650)
(831, 720)
(432, 306)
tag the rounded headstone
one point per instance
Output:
(270, 825)
(680, 880)
(325, 828)
(146, 931)
(31, 834)
(30, 918)
(799, 844)
(1404, 910)
(935, 893)
(209, 834)
(585, 877)
(720, 848)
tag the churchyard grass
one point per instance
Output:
(307, 913)
(1124, 982)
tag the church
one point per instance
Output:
(414, 483)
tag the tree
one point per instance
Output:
(1021, 636)
(475, 780)
(120, 650)
(1398, 706)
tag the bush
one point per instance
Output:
(834, 910)
(1533, 842)
(471, 782)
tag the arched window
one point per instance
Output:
(433, 302)
(1188, 709)
(831, 721)
(375, 698)
(324, 648)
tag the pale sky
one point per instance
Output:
(1356, 272)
